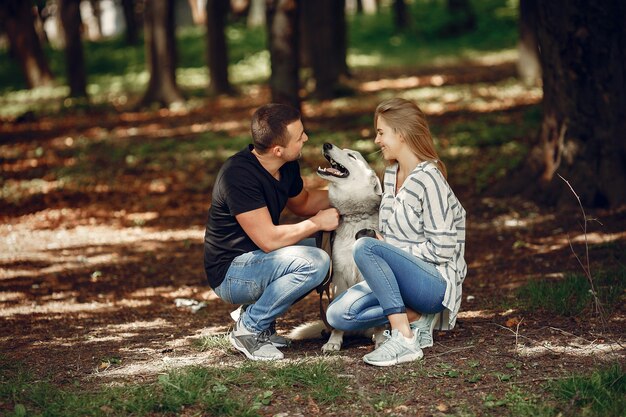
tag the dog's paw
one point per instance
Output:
(331, 347)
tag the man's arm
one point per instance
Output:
(268, 237)
(308, 202)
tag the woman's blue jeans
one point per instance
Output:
(271, 282)
(394, 279)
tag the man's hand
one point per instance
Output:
(327, 220)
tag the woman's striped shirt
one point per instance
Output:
(426, 219)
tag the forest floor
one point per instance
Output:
(90, 276)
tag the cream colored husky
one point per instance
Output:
(355, 191)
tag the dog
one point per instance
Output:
(355, 191)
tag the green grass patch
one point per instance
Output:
(572, 296)
(374, 40)
(483, 149)
(234, 391)
(601, 393)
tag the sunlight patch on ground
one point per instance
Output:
(554, 243)
(608, 350)
(69, 306)
(11, 295)
(20, 242)
(483, 314)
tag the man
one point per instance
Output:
(249, 258)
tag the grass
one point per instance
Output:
(249, 388)
(232, 391)
(601, 393)
(571, 296)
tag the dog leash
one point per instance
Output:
(324, 241)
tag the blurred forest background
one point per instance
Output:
(115, 116)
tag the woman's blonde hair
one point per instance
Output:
(409, 121)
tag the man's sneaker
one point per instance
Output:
(395, 349)
(275, 338)
(255, 346)
(424, 327)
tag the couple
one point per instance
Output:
(413, 269)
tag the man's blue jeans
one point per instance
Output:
(394, 279)
(271, 282)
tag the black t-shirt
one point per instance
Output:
(243, 185)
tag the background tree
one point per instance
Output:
(283, 39)
(583, 58)
(161, 54)
(400, 15)
(324, 25)
(132, 36)
(528, 65)
(74, 57)
(462, 18)
(216, 14)
(19, 22)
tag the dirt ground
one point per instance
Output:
(89, 283)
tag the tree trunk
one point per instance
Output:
(400, 15)
(132, 35)
(19, 23)
(462, 18)
(282, 24)
(216, 12)
(528, 65)
(97, 16)
(74, 58)
(583, 58)
(161, 54)
(325, 26)
(198, 14)
(256, 14)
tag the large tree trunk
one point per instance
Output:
(19, 23)
(132, 35)
(282, 25)
(325, 35)
(74, 58)
(216, 12)
(583, 57)
(161, 54)
(528, 65)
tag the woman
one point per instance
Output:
(413, 271)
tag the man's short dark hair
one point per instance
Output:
(269, 125)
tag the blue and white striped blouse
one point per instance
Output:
(426, 219)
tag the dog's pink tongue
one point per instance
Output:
(333, 171)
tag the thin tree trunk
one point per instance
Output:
(400, 15)
(161, 54)
(74, 58)
(282, 22)
(462, 18)
(528, 65)
(216, 12)
(198, 14)
(132, 35)
(19, 23)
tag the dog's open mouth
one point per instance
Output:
(335, 169)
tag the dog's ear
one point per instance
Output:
(378, 189)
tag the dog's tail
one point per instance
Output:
(310, 330)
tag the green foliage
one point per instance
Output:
(571, 296)
(601, 394)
